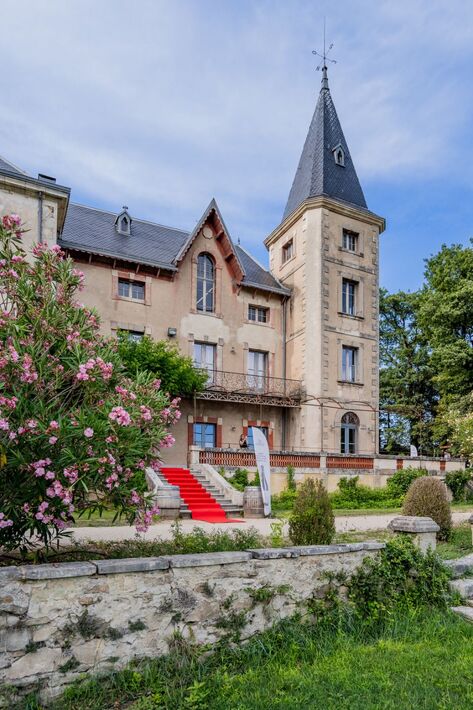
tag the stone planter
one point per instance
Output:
(253, 502)
(423, 530)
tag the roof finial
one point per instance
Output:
(323, 65)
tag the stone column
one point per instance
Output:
(423, 530)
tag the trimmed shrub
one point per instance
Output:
(427, 496)
(456, 481)
(399, 483)
(312, 521)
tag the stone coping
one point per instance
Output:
(62, 570)
(413, 524)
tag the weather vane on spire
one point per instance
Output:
(324, 57)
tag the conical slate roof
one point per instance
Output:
(318, 173)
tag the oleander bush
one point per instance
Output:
(75, 433)
(312, 521)
(427, 496)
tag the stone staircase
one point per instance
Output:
(463, 584)
(230, 509)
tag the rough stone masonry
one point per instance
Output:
(59, 621)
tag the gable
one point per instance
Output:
(212, 227)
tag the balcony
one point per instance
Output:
(225, 386)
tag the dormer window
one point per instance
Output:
(123, 222)
(339, 155)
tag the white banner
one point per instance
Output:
(262, 462)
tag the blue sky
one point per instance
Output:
(163, 104)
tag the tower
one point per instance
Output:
(326, 251)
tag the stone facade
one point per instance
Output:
(317, 326)
(59, 621)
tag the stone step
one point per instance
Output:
(463, 586)
(466, 612)
(460, 566)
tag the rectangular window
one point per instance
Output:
(350, 240)
(257, 370)
(287, 251)
(348, 439)
(258, 314)
(134, 335)
(349, 363)
(249, 438)
(348, 297)
(204, 358)
(205, 435)
(131, 289)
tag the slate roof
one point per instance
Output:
(317, 173)
(93, 231)
(9, 167)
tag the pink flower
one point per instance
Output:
(5, 522)
(145, 413)
(168, 441)
(52, 440)
(89, 432)
(135, 498)
(4, 425)
(120, 415)
(157, 384)
(53, 424)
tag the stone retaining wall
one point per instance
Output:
(58, 621)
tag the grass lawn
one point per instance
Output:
(423, 660)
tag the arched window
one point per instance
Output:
(349, 433)
(205, 283)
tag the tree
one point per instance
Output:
(177, 373)
(408, 396)
(446, 316)
(75, 432)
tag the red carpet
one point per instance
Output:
(200, 503)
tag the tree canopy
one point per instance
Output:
(426, 355)
(160, 358)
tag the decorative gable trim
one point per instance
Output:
(211, 224)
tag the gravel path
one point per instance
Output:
(355, 523)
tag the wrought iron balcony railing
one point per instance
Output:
(240, 387)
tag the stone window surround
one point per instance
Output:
(218, 421)
(217, 312)
(246, 423)
(192, 338)
(359, 280)
(289, 239)
(351, 343)
(131, 276)
(270, 359)
(268, 310)
(361, 240)
(138, 327)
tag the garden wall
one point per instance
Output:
(60, 621)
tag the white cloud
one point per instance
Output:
(162, 105)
